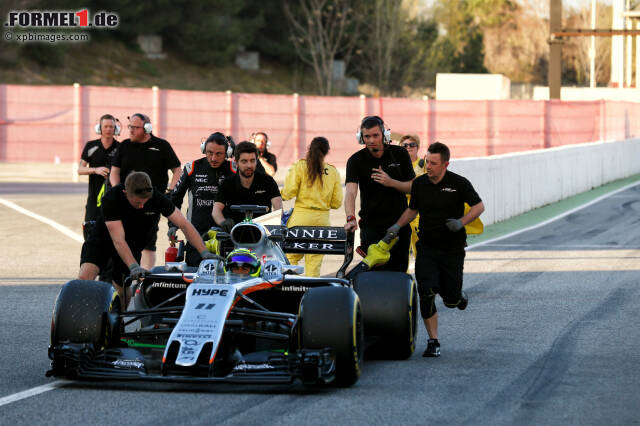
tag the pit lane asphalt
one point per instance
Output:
(551, 335)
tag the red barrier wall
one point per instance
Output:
(45, 123)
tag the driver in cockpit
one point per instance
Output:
(243, 261)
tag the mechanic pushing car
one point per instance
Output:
(245, 187)
(439, 196)
(202, 179)
(383, 173)
(130, 213)
(146, 152)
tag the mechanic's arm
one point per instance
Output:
(116, 231)
(188, 230)
(114, 177)
(473, 213)
(407, 216)
(84, 169)
(216, 212)
(380, 176)
(276, 202)
(350, 206)
(176, 172)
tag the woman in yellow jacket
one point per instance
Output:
(317, 188)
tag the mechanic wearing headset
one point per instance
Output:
(202, 179)
(95, 161)
(383, 173)
(145, 152)
(245, 187)
(268, 163)
(129, 219)
(439, 196)
(412, 144)
(317, 188)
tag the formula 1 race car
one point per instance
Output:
(214, 324)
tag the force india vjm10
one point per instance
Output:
(212, 325)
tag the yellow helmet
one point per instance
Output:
(243, 261)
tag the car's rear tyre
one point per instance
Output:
(389, 308)
(331, 318)
(86, 312)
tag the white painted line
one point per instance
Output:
(31, 392)
(567, 213)
(55, 225)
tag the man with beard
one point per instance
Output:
(246, 187)
(202, 179)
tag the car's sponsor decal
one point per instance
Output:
(202, 321)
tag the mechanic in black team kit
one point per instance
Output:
(130, 215)
(145, 152)
(383, 173)
(95, 161)
(439, 197)
(202, 179)
(246, 187)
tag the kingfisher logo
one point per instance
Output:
(60, 19)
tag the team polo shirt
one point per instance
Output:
(139, 224)
(96, 156)
(262, 190)
(380, 206)
(438, 202)
(202, 182)
(154, 157)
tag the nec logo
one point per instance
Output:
(209, 292)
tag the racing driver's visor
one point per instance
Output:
(243, 260)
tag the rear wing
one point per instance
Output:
(315, 240)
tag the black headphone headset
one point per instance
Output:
(117, 128)
(386, 133)
(229, 144)
(147, 122)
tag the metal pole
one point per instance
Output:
(629, 46)
(555, 49)
(592, 49)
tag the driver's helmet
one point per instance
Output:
(242, 261)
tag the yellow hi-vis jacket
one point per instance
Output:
(324, 194)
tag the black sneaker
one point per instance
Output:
(464, 301)
(433, 348)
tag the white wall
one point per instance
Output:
(451, 86)
(512, 184)
(541, 93)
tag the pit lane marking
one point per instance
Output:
(55, 225)
(560, 216)
(31, 392)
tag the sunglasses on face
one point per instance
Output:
(410, 145)
(130, 127)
